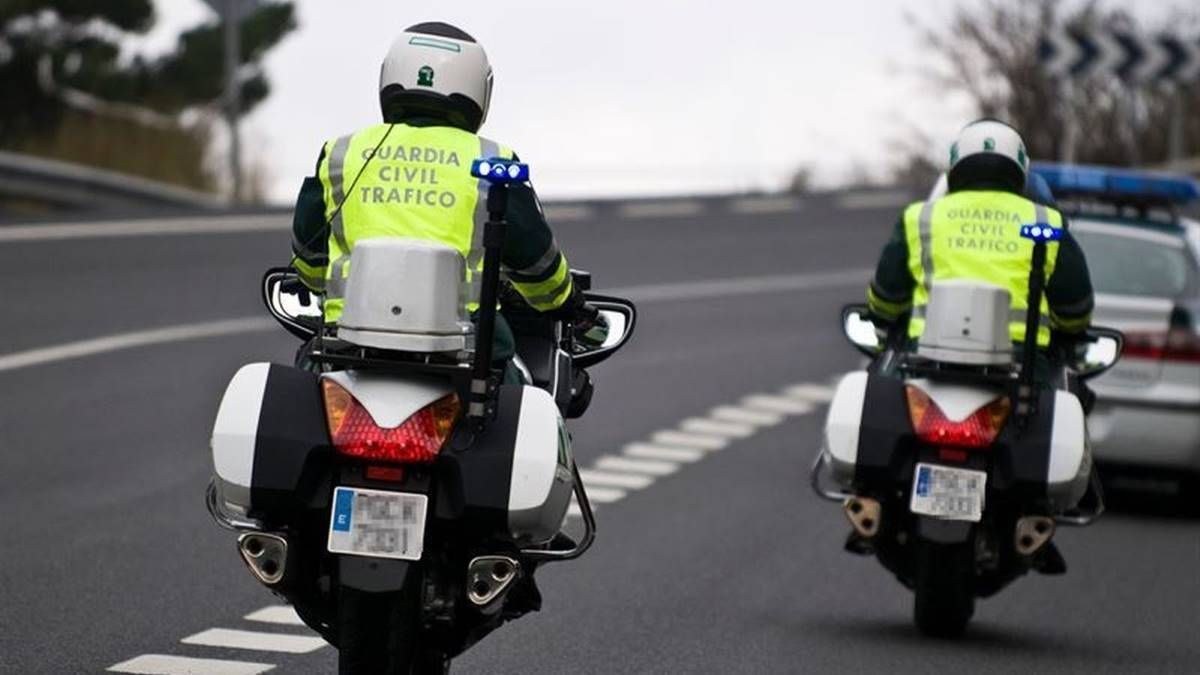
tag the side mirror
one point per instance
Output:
(1100, 351)
(291, 303)
(860, 331)
(621, 316)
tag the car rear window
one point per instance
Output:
(1128, 260)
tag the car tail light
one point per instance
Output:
(979, 430)
(1180, 343)
(417, 440)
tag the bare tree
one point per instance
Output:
(990, 51)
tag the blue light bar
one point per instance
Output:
(1041, 232)
(1118, 185)
(500, 170)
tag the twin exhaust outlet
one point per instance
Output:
(1029, 536)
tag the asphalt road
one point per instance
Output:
(727, 565)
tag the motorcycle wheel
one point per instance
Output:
(379, 633)
(944, 586)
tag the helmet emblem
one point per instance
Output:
(989, 144)
(425, 77)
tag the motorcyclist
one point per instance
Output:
(410, 177)
(972, 232)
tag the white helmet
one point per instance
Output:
(434, 69)
(990, 151)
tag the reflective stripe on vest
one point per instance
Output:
(976, 235)
(406, 182)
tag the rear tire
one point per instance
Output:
(378, 633)
(944, 584)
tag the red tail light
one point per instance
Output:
(932, 426)
(1180, 343)
(417, 440)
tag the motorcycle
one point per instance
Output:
(954, 463)
(400, 491)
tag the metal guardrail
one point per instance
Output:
(72, 186)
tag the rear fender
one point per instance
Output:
(943, 531)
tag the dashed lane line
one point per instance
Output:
(642, 463)
(165, 664)
(255, 640)
(781, 404)
(705, 425)
(629, 481)
(688, 440)
(278, 614)
(678, 208)
(663, 452)
(765, 205)
(646, 466)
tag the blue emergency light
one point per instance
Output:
(500, 170)
(1041, 232)
(1117, 185)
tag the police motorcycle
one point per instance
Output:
(953, 466)
(402, 496)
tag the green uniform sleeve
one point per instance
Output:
(1069, 289)
(891, 291)
(310, 233)
(535, 265)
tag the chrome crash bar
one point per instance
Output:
(815, 475)
(589, 528)
(227, 520)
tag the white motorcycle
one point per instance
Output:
(953, 463)
(398, 494)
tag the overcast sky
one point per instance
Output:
(623, 96)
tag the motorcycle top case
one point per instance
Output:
(514, 480)
(869, 440)
(270, 445)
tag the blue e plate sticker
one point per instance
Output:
(343, 509)
(923, 475)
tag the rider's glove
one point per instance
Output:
(589, 327)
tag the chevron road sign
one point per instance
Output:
(1133, 57)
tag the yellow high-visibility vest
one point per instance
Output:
(976, 235)
(395, 180)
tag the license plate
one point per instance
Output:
(943, 492)
(377, 524)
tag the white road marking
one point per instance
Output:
(724, 288)
(789, 406)
(697, 290)
(685, 439)
(144, 338)
(255, 640)
(631, 481)
(762, 205)
(745, 415)
(675, 208)
(663, 452)
(161, 664)
(875, 199)
(703, 425)
(144, 227)
(563, 213)
(815, 393)
(280, 614)
(652, 467)
(573, 511)
(603, 495)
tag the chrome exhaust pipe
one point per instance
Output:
(265, 555)
(1032, 533)
(489, 576)
(863, 514)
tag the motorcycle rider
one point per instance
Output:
(972, 233)
(410, 177)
